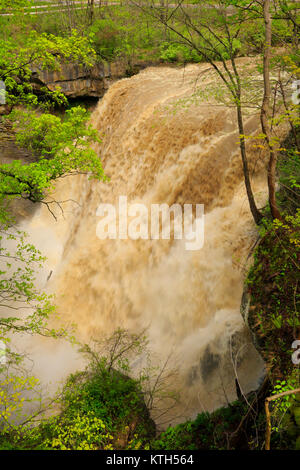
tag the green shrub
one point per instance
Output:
(209, 431)
(172, 52)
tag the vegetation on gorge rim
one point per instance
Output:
(98, 406)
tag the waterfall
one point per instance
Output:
(161, 145)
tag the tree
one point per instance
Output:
(25, 52)
(31, 309)
(91, 10)
(212, 30)
(265, 111)
(24, 311)
(62, 147)
(279, 9)
(288, 10)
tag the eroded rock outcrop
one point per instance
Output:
(74, 80)
(77, 81)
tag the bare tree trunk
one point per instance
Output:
(255, 212)
(268, 414)
(264, 115)
(71, 25)
(163, 16)
(91, 11)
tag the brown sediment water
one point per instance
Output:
(160, 145)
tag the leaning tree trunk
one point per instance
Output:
(264, 115)
(254, 210)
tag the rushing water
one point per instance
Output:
(156, 149)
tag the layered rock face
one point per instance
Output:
(74, 80)
(77, 81)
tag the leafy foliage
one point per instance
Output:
(273, 286)
(101, 407)
(18, 393)
(209, 431)
(62, 147)
(23, 53)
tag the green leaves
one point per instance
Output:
(273, 286)
(23, 53)
(62, 146)
(23, 308)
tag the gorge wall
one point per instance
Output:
(78, 81)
